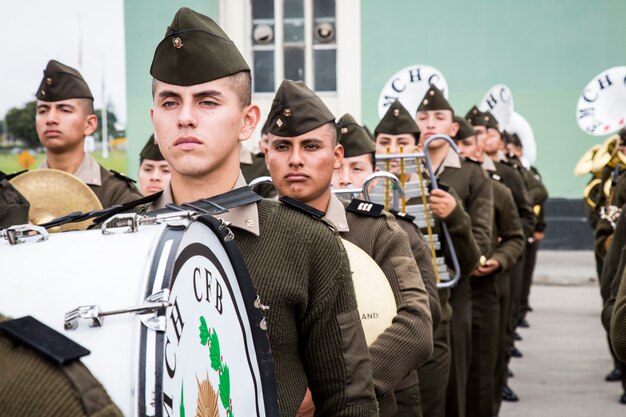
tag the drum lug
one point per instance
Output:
(128, 220)
(151, 313)
(224, 225)
(15, 234)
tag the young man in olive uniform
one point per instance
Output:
(302, 154)
(358, 163)
(612, 273)
(201, 113)
(64, 116)
(154, 170)
(398, 128)
(471, 183)
(491, 288)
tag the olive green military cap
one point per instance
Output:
(61, 82)
(296, 110)
(353, 137)
(195, 50)
(465, 129)
(151, 151)
(397, 121)
(434, 100)
(478, 118)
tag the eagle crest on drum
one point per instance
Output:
(207, 399)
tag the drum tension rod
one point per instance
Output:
(155, 303)
(15, 234)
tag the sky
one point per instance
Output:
(85, 34)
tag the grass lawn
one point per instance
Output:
(115, 161)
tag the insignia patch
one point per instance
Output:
(178, 43)
(365, 208)
(402, 215)
(279, 123)
(304, 208)
(122, 176)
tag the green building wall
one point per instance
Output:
(546, 51)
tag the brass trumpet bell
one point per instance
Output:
(53, 193)
(591, 190)
(585, 163)
(609, 154)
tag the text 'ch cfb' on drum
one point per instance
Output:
(177, 325)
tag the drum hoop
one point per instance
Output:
(175, 234)
(249, 294)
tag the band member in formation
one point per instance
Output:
(303, 153)
(538, 196)
(491, 292)
(609, 243)
(398, 131)
(472, 185)
(201, 113)
(65, 115)
(154, 170)
(358, 164)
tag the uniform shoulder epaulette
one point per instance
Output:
(365, 208)
(300, 206)
(474, 160)
(9, 177)
(495, 177)
(402, 215)
(46, 341)
(122, 176)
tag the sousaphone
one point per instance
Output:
(585, 163)
(608, 154)
(601, 108)
(53, 193)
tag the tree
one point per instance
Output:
(111, 122)
(21, 124)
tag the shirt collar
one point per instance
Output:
(88, 171)
(488, 164)
(452, 160)
(336, 214)
(500, 156)
(244, 217)
(245, 156)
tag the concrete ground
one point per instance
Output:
(565, 350)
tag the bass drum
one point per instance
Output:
(207, 352)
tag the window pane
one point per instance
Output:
(323, 8)
(294, 31)
(263, 71)
(293, 8)
(294, 64)
(325, 61)
(262, 9)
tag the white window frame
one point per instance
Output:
(236, 20)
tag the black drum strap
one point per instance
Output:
(214, 205)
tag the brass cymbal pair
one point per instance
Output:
(53, 193)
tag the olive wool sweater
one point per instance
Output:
(300, 270)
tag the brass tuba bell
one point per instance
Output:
(609, 154)
(585, 163)
(591, 191)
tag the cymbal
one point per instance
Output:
(53, 193)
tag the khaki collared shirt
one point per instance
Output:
(452, 160)
(245, 156)
(88, 171)
(488, 164)
(243, 217)
(500, 156)
(336, 214)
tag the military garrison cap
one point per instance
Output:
(296, 110)
(195, 50)
(353, 137)
(397, 121)
(151, 151)
(434, 100)
(465, 129)
(478, 118)
(61, 82)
